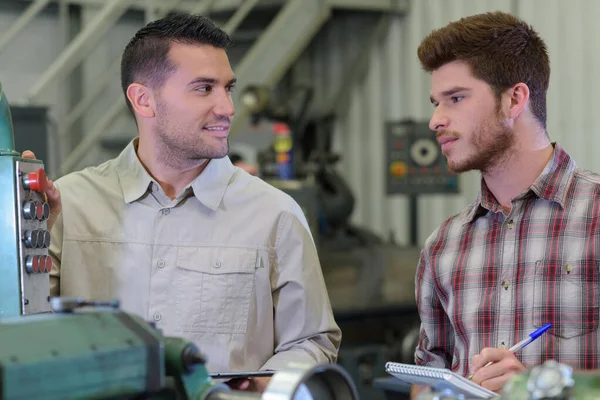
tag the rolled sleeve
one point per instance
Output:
(436, 339)
(305, 330)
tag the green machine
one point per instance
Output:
(70, 348)
(91, 350)
(24, 259)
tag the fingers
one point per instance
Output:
(499, 371)
(497, 383)
(488, 354)
(28, 154)
(252, 385)
(52, 193)
(238, 383)
(53, 198)
(259, 384)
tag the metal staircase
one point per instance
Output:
(265, 52)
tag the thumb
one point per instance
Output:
(28, 154)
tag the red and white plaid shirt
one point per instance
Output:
(486, 279)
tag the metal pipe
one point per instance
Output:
(21, 22)
(80, 46)
(239, 15)
(91, 138)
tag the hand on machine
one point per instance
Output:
(51, 194)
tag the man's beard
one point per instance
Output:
(178, 146)
(492, 141)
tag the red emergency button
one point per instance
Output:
(36, 181)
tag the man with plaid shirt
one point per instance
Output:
(525, 253)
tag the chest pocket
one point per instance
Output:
(566, 295)
(214, 288)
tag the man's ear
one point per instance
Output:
(518, 96)
(142, 100)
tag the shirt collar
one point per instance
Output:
(552, 185)
(133, 177)
(209, 187)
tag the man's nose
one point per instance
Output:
(439, 119)
(224, 105)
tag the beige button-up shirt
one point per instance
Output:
(229, 264)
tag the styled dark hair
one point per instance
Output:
(501, 50)
(145, 58)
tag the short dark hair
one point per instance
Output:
(145, 58)
(501, 50)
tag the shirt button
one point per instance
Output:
(160, 263)
(505, 284)
(166, 211)
(217, 264)
(568, 268)
(511, 224)
(157, 316)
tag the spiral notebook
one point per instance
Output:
(439, 379)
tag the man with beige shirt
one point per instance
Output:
(177, 233)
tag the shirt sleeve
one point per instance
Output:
(436, 338)
(305, 330)
(55, 252)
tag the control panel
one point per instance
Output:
(25, 264)
(414, 162)
(34, 238)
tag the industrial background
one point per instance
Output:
(59, 66)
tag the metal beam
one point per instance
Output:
(239, 15)
(102, 81)
(80, 46)
(98, 130)
(34, 9)
(278, 47)
(371, 5)
(185, 5)
(231, 5)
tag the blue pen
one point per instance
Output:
(532, 336)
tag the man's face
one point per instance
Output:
(467, 120)
(194, 106)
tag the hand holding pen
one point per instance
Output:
(493, 367)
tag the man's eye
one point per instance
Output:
(456, 99)
(230, 88)
(204, 89)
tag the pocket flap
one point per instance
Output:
(217, 260)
